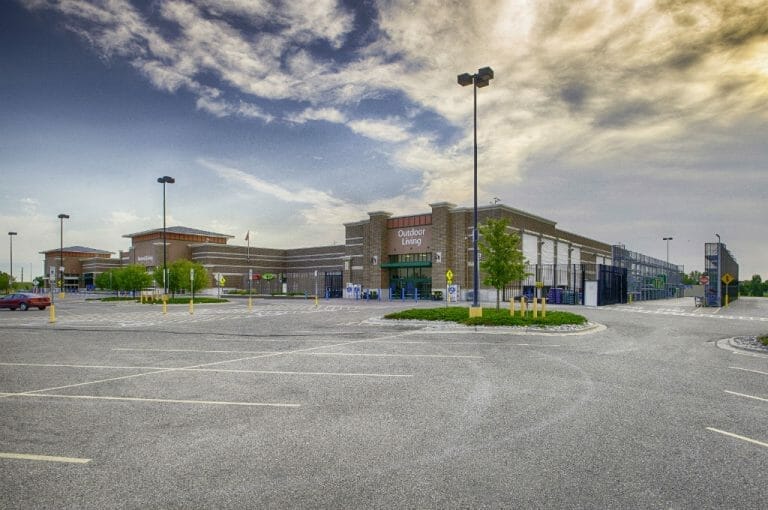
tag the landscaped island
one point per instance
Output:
(491, 317)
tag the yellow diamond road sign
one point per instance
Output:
(727, 278)
(449, 276)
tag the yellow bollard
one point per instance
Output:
(523, 310)
(250, 303)
(535, 307)
(543, 307)
(191, 306)
(52, 315)
(315, 300)
(512, 307)
(165, 304)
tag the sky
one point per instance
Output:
(624, 121)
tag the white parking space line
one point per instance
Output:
(749, 370)
(44, 458)
(389, 355)
(736, 436)
(153, 400)
(192, 350)
(746, 396)
(219, 370)
(440, 343)
(32, 392)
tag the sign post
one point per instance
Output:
(449, 281)
(315, 287)
(250, 295)
(51, 279)
(192, 286)
(727, 279)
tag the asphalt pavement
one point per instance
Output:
(296, 405)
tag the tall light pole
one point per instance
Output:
(481, 79)
(165, 180)
(719, 274)
(667, 239)
(10, 280)
(62, 217)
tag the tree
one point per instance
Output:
(756, 285)
(5, 281)
(502, 261)
(133, 277)
(691, 278)
(107, 280)
(178, 276)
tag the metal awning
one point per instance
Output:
(415, 263)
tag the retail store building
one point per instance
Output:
(396, 256)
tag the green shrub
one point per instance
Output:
(491, 317)
(763, 339)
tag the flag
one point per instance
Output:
(248, 236)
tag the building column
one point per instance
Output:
(443, 258)
(375, 250)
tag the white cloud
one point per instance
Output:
(326, 114)
(118, 219)
(388, 130)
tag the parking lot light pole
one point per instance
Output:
(481, 79)
(667, 239)
(165, 180)
(62, 217)
(10, 276)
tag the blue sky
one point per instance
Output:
(626, 121)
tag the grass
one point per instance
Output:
(171, 301)
(185, 300)
(763, 339)
(491, 317)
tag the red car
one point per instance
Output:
(25, 301)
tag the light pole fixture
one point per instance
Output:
(481, 79)
(62, 217)
(165, 180)
(10, 279)
(667, 239)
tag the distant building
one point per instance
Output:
(80, 265)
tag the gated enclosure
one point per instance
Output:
(723, 272)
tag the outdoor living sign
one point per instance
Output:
(410, 239)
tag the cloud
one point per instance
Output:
(221, 108)
(317, 206)
(120, 218)
(29, 205)
(326, 114)
(388, 130)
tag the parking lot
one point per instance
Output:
(294, 405)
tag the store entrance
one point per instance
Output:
(410, 279)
